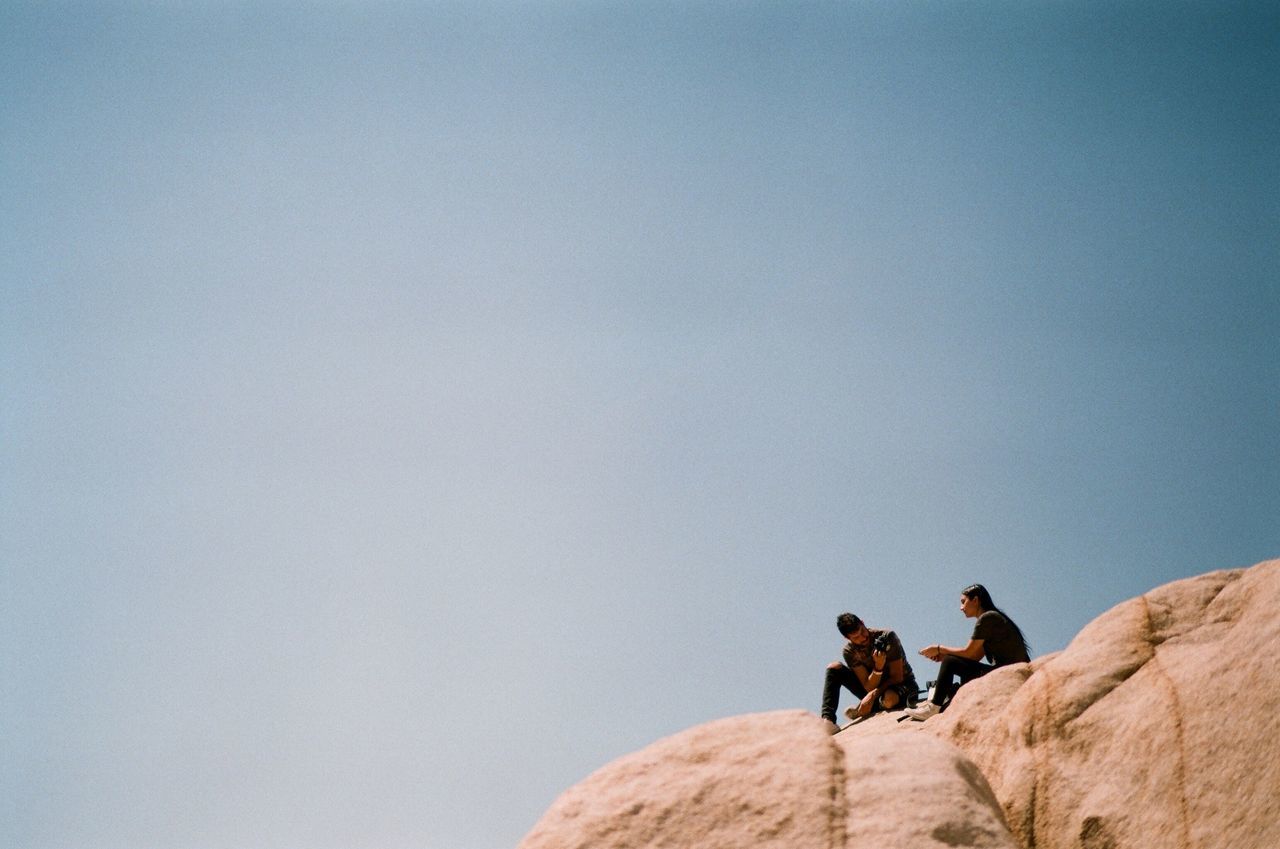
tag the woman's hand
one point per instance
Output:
(932, 652)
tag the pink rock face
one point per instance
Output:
(1159, 726)
(904, 790)
(760, 780)
(778, 780)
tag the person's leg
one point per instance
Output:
(954, 667)
(899, 696)
(838, 675)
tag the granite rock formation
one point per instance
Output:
(1158, 727)
(779, 781)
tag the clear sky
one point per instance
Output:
(406, 409)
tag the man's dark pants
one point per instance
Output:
(837, 677)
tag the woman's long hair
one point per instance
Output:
(979, 592)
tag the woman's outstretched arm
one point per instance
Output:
(973, 651)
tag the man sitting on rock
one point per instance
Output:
(874, 669)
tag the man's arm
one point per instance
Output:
(874, 680)
(894, 671)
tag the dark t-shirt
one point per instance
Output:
(1000, 641)
(861, 656)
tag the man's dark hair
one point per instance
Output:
(848, 623)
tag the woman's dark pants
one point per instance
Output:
(954, 667)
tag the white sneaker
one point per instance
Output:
(922, 711)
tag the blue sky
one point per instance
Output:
(406, 409)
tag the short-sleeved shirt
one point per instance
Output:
(855, 655)
(1000, 641)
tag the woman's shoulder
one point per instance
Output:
(991, 622)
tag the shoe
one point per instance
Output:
(923, 711)
(851, 713)
(832, 728)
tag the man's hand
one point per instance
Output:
(868, 703)
(878, 658)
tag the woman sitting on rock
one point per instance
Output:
(995, 636)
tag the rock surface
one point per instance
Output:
(1158, 726)
(763, 780)
(779, 780)
(913, 790)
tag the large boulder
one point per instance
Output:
(1158, 726)
(779, 780)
